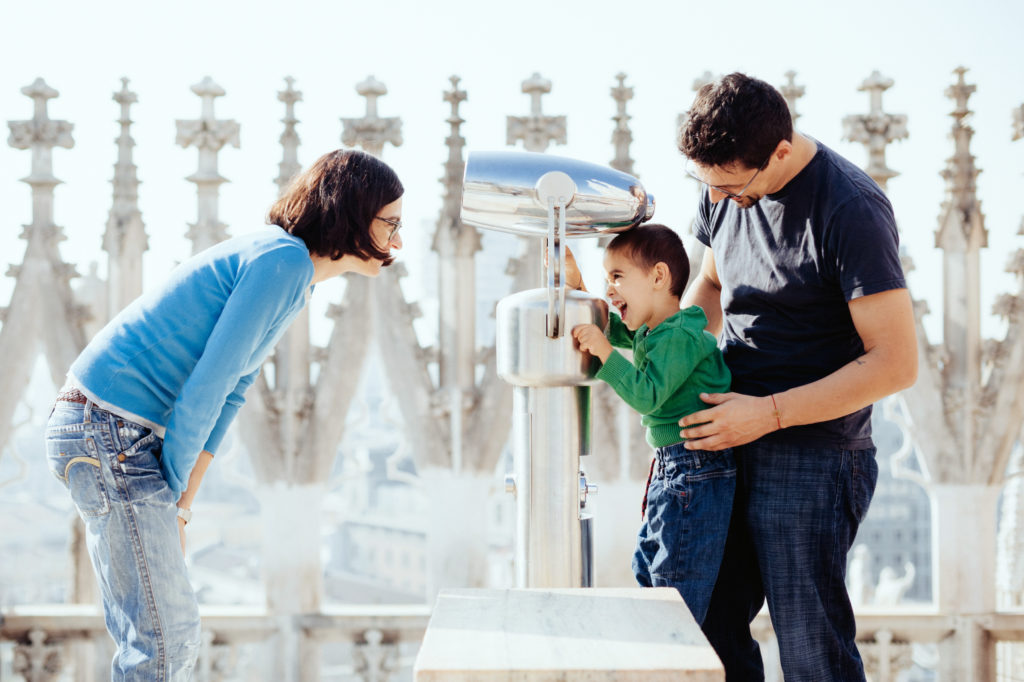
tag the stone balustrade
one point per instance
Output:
(43, 642)
(886, 635)
(378, 643)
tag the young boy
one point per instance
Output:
(689, 494)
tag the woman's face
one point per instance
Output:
(387, 226)
(386, 233)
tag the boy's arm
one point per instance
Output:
(669, 365)
(619, 335)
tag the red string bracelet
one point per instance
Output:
(777, 419)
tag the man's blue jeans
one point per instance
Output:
(795, 516)
(111, 467)
(689, 502)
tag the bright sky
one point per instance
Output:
(83, 49)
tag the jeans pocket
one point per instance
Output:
(73, 460)
(863, 477)
(714, 464)
(674, 479)
(131, 436)
(137, 468)
(684, 475)
(142, 448)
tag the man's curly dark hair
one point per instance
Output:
(737, 119)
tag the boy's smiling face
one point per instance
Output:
(630, 288)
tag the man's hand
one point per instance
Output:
(734, 420)
(592, 340)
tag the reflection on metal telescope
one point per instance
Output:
(499, 192)
(555, 198)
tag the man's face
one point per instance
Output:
(732, 181)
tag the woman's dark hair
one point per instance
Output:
(331, 205)
(652, 243)
(735, 119)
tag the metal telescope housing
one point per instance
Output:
(553, 198)
(500, 192)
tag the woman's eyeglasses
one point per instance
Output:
(396, 225)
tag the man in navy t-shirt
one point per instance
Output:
(802, 278)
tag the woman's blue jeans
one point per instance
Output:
(111, 467)
(689, 502)
(795, 517)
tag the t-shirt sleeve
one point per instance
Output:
(702, 221)
(863, 244)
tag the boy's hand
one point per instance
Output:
(592, 340)
(573, 278)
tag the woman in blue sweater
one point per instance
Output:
(150, 398)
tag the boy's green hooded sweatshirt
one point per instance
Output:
(672, 365)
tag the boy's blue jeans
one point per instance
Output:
(796, 513)
(681, 541)
(111, 467)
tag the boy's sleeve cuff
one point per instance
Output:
(615, 368)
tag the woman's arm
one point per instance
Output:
(189, 495)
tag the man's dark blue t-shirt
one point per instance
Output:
(788, 266)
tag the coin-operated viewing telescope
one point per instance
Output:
(552, 198)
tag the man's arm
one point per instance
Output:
(885, 323)
(706, 291)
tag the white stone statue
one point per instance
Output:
(858, 576)
(891, 588)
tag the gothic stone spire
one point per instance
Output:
(371, 132)
(208, 135)
(536, 130)
(876, 129)
(289, 165)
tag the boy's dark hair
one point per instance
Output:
(651, 243)
(331, 205)
(737, 118)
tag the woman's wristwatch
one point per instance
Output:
(185, 514)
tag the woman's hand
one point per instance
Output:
(592, 340)
(181, 534)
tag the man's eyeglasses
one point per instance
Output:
(396, 225)
(691, 170)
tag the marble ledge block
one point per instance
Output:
(568, 635)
